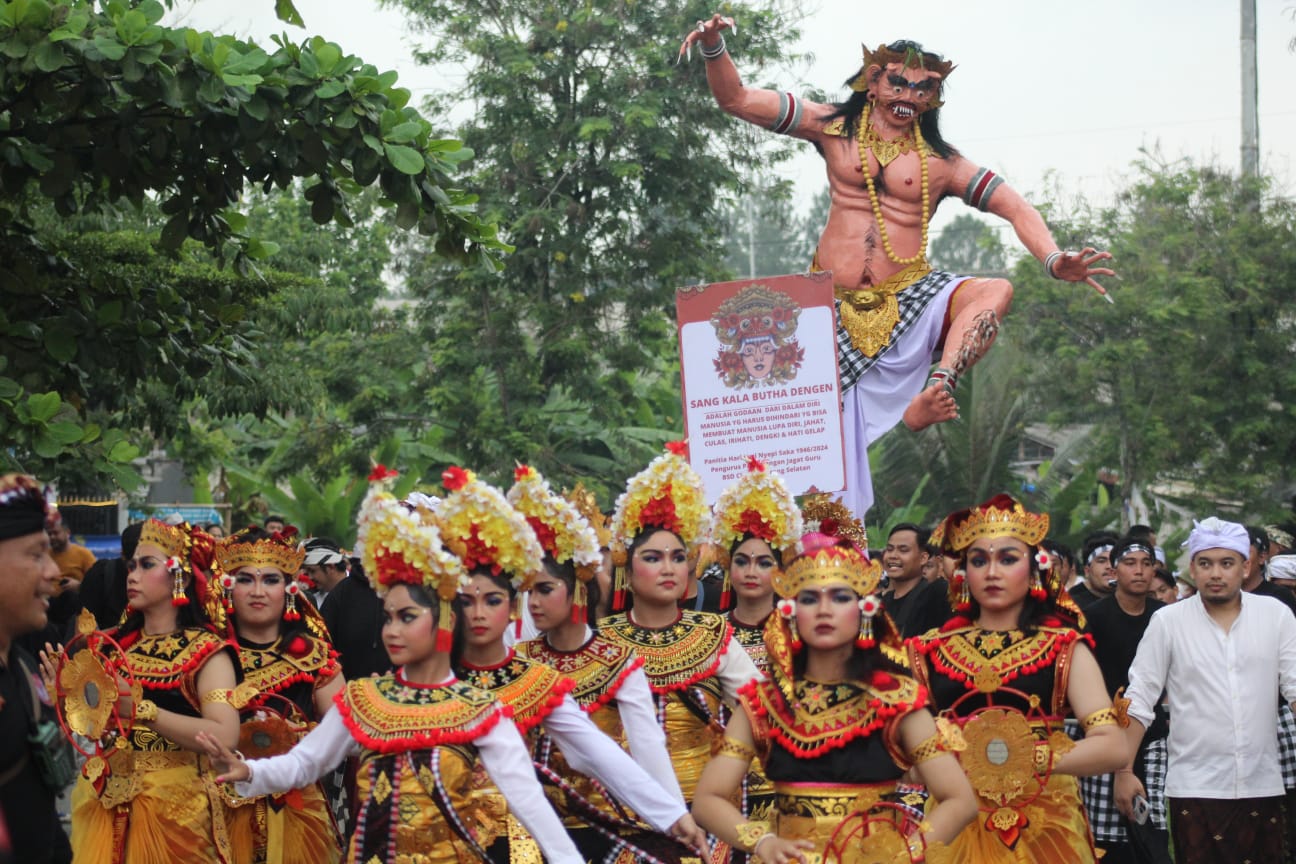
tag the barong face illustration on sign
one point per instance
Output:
(757, 333)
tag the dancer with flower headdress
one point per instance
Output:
(420, 733)
(149, 799)
(500, 549)
(290, 678)
(693, 663)
(756, 528)
(610, 683)
(1007, 670)
(835, 726)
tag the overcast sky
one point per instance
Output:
(1074, 89)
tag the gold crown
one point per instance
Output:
(586, 505)
(831, 566)
(666, 496)
(1001, 516)
(759, 504)
(912, 57)
(483, 529)
(559, 526)
(397, 547)
(172, 539)
(234, 553)
(826, 516)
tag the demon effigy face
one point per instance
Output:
(902, 81)
(756, 329)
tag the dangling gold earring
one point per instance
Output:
(178, 596)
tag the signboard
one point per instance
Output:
(758, 362)
(194, 514)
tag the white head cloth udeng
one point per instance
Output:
(1213, 533)
(1282, 567)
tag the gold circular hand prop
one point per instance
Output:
(86, 680)
(266, 731)
(88, 694)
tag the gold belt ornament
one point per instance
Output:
(870, 314)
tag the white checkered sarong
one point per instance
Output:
(913, 300)
(1287, 746)
(1104, 818)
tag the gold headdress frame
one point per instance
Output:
(233, 554)
(175, 540)
(831, 566)
(999, 517)
(586, 504)
(910, 58)
(826, 516)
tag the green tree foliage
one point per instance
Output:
(1188, 376)
(101, 105)
(606, 163)
(765, 235)
(968, 245)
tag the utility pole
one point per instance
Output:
(751, 237)
(1250, 116)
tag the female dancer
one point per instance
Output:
(153, 801)
(1007, 670)
(835, 726)
(693, 663)
(290, 676)
(610, 684)
(499, 548)
(756, 527)
(419, 732)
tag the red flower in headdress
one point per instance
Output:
(381, 472)
(521, 472)
(288, 532)
(545, 534)
(751, 522)
(393, 568)
(454, 478)
(679, 448)
(754, 464)
(828, 526)
(660, 512)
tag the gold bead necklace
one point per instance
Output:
(864, 138)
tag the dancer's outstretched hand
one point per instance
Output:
(228, 764)
(1078, 267)
(686, 831)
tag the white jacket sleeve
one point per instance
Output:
(322, 750)
(735, 671)
(644, 734)
(509, 764)
(592, 753)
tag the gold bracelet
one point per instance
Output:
(218, 696)
(735, 749)
(929, 749)
(1101, 717)
(146, 711)
(751, 833)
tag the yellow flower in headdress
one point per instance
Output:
(667, 495)
(758, 504)
(398, 547)
(485, 531)
(564, 533)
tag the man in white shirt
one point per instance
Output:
(1225, 658)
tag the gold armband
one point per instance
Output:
(146, 710)
(218, 696)
(736, 749)
(751, 833)
(1101, 717)
(929, 749)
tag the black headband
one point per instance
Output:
(22, 506)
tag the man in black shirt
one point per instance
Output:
(1256, 580)
(914, 604)
(1117, 623)
(1096, 558)
(27, 580)
(351, 609)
